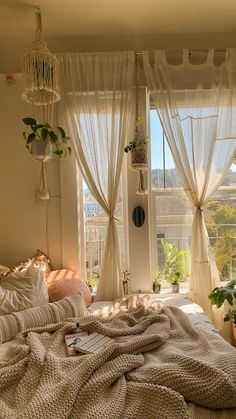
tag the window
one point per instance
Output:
(172, 215)
(95, 227)
(220, 217)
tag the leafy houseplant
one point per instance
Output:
(156, 282)
(228, 293)
(138, 145)
(43, 139)
(175, 268)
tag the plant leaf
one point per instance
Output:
(31, 138)
(29, 121)
(53, 136)
(39, 126)
(58, 152)
(44, 133)
(62, 132)
(25, 135)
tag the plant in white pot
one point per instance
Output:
(138, 148)
(176, 266)
(42, 142)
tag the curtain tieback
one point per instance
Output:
(200, 208)
(112, 217)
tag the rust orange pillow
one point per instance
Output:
(64, 283)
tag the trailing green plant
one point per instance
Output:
(176, 266)
(135, 144)
(139, 139)
(221, 294)
(45, 133)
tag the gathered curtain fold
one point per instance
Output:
(196, 104)
(98, 106)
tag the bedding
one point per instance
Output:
(51, 313)
(159, 360)
(23, 289)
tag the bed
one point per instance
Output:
(169, 406)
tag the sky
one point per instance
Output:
(156, 141)
(156, 133)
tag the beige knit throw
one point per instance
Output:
(158, 361)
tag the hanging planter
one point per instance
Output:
(138, 147)
(41, 150)
(41, 79)
(139, 160)
(42, 142)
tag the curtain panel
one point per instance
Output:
(98, 106)
(196, 104)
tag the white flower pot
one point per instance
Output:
(174, 288)
(41, 150)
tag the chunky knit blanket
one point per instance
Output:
(157, 362)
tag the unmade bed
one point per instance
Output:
(146, 374)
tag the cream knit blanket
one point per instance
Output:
(158, 360)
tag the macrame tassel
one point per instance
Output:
(43, 192)
(142, 190)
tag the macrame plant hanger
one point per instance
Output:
(41, 77)
(139, 155)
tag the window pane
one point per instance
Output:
(96, 222)
(164, 174)
(173, 238)
(220, 216)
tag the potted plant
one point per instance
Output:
(226, 294)
(43, 140)
(175, 268)
(156, 282)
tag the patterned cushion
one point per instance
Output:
(12, 324)
(64, 283)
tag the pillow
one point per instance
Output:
(64, 282)
(23, 289)
(3, 270)
(12, 324)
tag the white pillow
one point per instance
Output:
(23, 289)
(3, 269)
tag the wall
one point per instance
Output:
(23, 220)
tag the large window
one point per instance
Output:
(172, 216)
(95, 228)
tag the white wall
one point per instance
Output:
(22, 220)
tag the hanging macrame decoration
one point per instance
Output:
(138, 147)
(40, 71)
(41, 78)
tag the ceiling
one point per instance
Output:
(115, 24)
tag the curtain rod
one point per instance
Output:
(191, 50)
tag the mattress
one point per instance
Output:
(197, 318)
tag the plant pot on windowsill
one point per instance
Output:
(126, 288)
(174, 284)
(156, 288)
(174, 288)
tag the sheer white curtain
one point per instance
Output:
(98, 105)
(197, 108)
